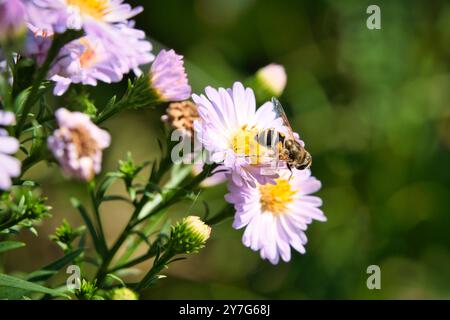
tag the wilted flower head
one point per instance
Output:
(272, 78)
(168, 78)
(78, 144)
(124, 294)
(181, 116)
(227, 128)
(12, 19)
(189, 235)
(276, 216)
(9, 166)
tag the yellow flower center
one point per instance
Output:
(94, 8)
(246, 145)
(275, 198)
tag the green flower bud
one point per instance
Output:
(189, 235)
(87, 291)
(124, 294)
(65, 235)
(268, 82)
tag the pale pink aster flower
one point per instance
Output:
(12, 18)
(168, 77)
(90, 15)
(276, 216)
(9, 166)
(227, 128)
(78, 144)
(85, 61)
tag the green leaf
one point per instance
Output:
(118, 279)
(104, 186)
(10, 245)
(8, 283)
(87, 220)
(51, 269)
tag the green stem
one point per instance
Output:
(101, 234)
(159, 265)
(171, 197)
(106, 114)
(133, 222)
(58, 42)
(226, 212)
(133, 262)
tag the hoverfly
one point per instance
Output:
(288, 147)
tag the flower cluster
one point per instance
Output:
(273, 205)
(84, 42)
(110, 48)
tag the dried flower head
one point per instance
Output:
(181, 116)
(78, 144)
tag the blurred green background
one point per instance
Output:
(374, 109)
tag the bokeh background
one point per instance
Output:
(374, 109)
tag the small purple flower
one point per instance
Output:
(85, 61)
(276, 216)
(12, 18)
(90, 15)
(78, 144)
(168, 77)
(9, 166)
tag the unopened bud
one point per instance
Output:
(189, 235)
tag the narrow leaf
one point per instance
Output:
(17, 283)
(10, 245)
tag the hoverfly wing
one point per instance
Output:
(279, 111)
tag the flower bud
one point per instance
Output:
(273, 78)
(168, 78)
(12, 21)
(189, 235)
(268, 82)
(124, 294)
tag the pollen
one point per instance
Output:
(246, 145)
(276, 198)
(94, 8)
